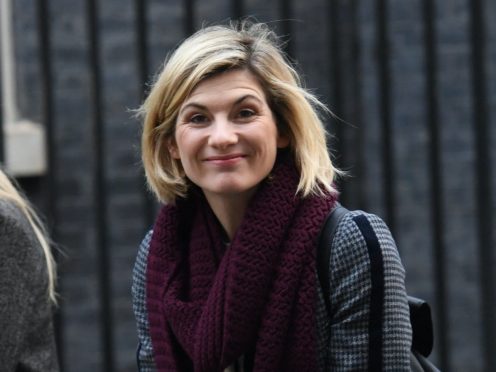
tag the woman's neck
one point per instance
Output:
(229, 209)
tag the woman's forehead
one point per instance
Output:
(235, 82)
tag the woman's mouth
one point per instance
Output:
(227, 159)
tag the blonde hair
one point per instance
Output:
(9, 192)
(216, 49)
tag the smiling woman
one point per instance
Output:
(226, 281)
(226, 140)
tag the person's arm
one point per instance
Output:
(145, 350)
(370, 324)
(26, 336)
(14, 291)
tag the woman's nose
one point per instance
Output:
(222, 133)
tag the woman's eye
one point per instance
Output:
(246, 113)
(198, 119)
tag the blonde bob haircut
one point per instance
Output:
(10, 193)
(216, 49)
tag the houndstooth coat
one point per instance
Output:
(342, 341)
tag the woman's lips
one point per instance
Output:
(225, 159)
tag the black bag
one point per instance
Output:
(420, 312)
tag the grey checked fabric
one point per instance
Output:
(349, 268)
(144, 353)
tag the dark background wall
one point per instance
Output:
(414, 82)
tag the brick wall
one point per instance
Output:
(361, 143)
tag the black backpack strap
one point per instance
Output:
(377, 292)
(324, 251)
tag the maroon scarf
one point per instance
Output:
(208, 305)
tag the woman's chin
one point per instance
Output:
(230, 190)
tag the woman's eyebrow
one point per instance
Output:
(236, 102)
(192, 104)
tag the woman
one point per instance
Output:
(27, 287)
(226, 281)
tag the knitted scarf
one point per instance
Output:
(209, 303)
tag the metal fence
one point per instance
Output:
(344, 82)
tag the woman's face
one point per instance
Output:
(226, 137)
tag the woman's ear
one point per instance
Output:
(172, 147)
(282, 141)
(282, 131)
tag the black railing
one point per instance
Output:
(142, 47)
(436, 187)
(384, 93)
(485, 221)
(237, 9)
(336, 84)
(189, 16)
(47, 117)
(100, 198)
